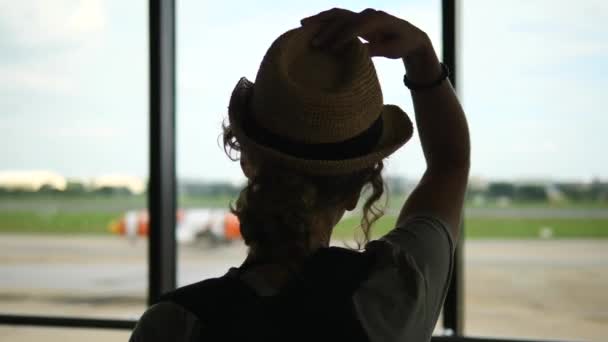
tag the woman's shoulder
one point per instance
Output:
(402, 298)
(166, 321)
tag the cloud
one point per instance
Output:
(36, 24)
(530, 35)
(43, 42)
(531, 83)
(33, 78)
(536, 53)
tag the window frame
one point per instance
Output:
(162, 270)
(162, 248)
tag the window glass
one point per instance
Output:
(73, 93)
(220, 42)
(533, 82)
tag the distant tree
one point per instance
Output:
(223, 189)
(48, 189)
(574, 191)
(218, 189)
(598, 191)
(113, 191)
(531, 193)
(75, 188)
(501, 189)
(14, 192)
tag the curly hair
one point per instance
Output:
(276, 206)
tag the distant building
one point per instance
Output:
(134, 184)
(32, 180)
(43, 180)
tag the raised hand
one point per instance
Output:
(386, 35)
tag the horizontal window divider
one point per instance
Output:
(125, 324)
(486, 339)
(67, 322)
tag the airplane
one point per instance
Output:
(219, 226)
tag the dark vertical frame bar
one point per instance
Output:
(453, 309)
(162, 186)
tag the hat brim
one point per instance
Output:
(397, 130)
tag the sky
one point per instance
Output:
(73, 83)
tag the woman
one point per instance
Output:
(312, 133)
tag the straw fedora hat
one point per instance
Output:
(316, 111)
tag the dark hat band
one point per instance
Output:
(356, 146)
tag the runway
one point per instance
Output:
(513, 288)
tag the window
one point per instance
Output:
(73, 93)
(73, 86)
(532, 82)
(219, 42)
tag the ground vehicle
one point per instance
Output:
(218, 225)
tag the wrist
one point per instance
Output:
(422, 66)
(415, 86)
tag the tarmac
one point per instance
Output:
(536, 289)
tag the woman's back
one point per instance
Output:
(392, 291)
(314, 305)
(312, 133)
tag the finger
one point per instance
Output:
(365, 25)
(384, 49)
(323, 16)
(327, 31)
(374, 49)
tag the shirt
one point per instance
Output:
(399, 301)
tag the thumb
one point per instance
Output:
(374, 49)
(384, 49)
